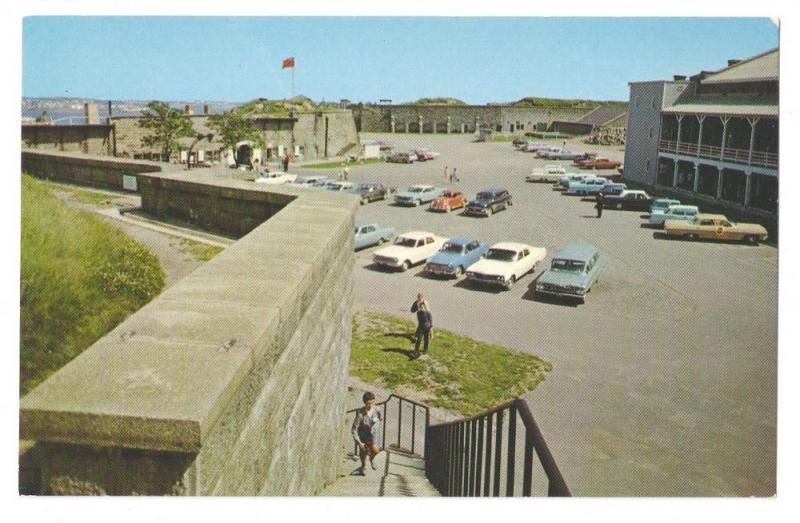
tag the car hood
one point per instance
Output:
(479, 203)
(563, 279)
(445, 258)
(394, 251)
(412, 195)
(485, 266)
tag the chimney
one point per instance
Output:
(206, 109)
(188, 109)
(733, 61)
(679, 77)
(91, 113)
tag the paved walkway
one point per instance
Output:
(397, 474)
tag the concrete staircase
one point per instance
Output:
(398, 474)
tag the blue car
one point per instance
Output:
(370, 233)
(572, 274)
(590, 186)
(455, 256)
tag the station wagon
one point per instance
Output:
(572, 274)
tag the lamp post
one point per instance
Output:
(199, 137)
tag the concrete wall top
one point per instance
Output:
(161, 378)
(97, 160)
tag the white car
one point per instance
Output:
(275, 177)
(409, 249)
(673, 212)
(505, 263)
(340, 186)
(307, 182)
(550, 173)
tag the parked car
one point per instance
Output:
(629, 200)
(674, 212)
(488, 202)
(519, 142)
(370, 233)
(275, 177)
(583, 157)
(661, 204)
(400, 158)
(408, 249)
(424, 155)
(715, 227)
(534, 147)
(613, 189)
(337, 186)
(323, 183)
(456, 256)
(306, 182)
(572, 274)
(447, 201)
(370, 191)
(590, 186)
(563, 154)
(599, 163)
(505, 263)
(564, 181)
(416, 195)
(545, 152)
(549, 174)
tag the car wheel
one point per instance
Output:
(363, 201)
(381, 240)
(510, 203)
(691, 237)
(489, 211)
(406, 265)
(417, 203)
(752, 239)
(459, 271)
(619, 206)
(447, 208)
(384, 197)
(511, 283)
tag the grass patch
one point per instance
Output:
(333, 165)
(79, 195)
(80, 277)
(461, 374)
(200, 251)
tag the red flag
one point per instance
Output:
(288, 62)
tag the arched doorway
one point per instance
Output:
(244, 154)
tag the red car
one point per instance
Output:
(424, 155)
(449, 200)
(599, 163)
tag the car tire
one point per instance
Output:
(619, 206)
(510, 203)
(692, 237)
(406, 265)
(446, 208)
(381, 241)
(417, 203)
(459, 271)
(511, 283)
(363, 201)
(752, 239)
(490, 211)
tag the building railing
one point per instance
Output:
(466, 457)
(728, 154)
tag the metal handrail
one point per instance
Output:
(463, 460)
(743, 156)
(415, 405)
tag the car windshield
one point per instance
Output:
(452, 247)
(416, 189)
(567, 265)
(501, 255)
(484, 196)
(405, 242)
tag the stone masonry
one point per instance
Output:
(231, 382)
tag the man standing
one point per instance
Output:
(599, 204)
(446, 176)
(424, 323)
(286, 163)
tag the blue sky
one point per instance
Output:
(477, 60)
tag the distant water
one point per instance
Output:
(77, 116)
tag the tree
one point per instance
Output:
(234, 127)
(167, 125)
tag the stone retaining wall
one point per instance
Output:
(83, 169)
(231, 382)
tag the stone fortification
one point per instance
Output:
(106, 173)
(231, 382)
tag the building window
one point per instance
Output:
(637, 102)
(651, 132)
(653, 103)
(647, 166)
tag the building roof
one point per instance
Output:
(602, 115)
(731, 105)
(760, 68)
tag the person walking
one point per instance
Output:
(598, 204)
(286, 163)
(453, 176)
(424, 323)
(345, 172)
(366, 426)
(446, 175)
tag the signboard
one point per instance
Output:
(129, 182)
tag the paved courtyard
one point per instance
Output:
(664, 382)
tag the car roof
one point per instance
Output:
(361, 223)
(682, 206)
(712, 217)
(511, 246)
(577, 251)
(423, 185)
(667, 200)
(492, 189)
(461, 240)
(416, 235)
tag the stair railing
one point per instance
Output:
(466, 457)
(408, 441)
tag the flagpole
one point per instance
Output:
(293, 68)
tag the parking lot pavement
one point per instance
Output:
(664, 382)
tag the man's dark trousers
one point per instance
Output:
(422, 332)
